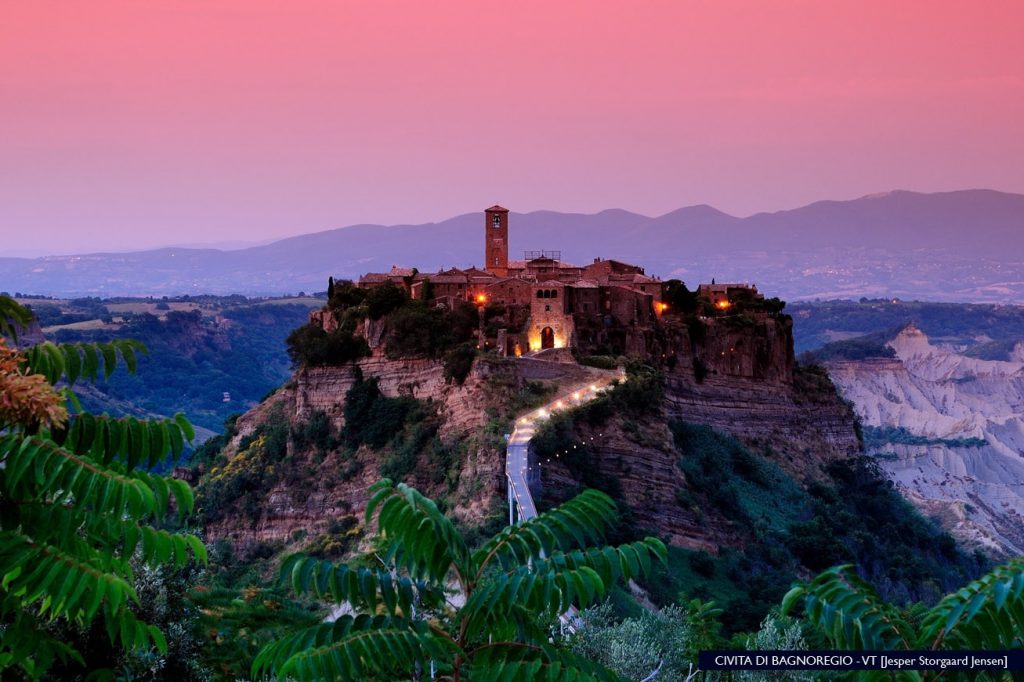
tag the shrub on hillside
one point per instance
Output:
(345, 295)
(599, 361)
(384, 299)
(311, 346)
(372, 418)
(457, 363)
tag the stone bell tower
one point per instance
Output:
(496, 241)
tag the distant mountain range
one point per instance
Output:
(963, 246)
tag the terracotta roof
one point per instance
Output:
(498, 209)
(585, 284)
(627, 287)
(400, 272)
(374, 277)
(448, 279)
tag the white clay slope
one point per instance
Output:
(933, 392)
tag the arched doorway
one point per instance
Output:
(547, 338)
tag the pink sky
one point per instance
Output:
(134, 124)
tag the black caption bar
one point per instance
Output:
(861, 660)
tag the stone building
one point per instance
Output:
(726, 295)
(544, 302)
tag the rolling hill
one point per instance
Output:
(962, 245)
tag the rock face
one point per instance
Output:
(738, 377)
(756, 348)
(804, 422)
(752, 391)
(646, 470)
(466, 415)
(945, 398)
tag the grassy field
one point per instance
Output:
(143, 306)
(81, 326)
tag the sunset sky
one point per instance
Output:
(142, 123)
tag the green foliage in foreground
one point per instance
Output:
(76, 508)
(403, 619)
(985, 615)
(635, 647)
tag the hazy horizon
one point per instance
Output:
(235, 245)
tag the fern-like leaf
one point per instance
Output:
(25, 644)
(986, 614)
(14, 318)
(133, 442)
(849, 612)
(37, 468)
(66, 585)
(544, 595)
(422, 540)
(73, 361)
(362, 588)
(570, 525)
(353, 648)
(625, 562)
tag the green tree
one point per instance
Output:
(984, 615)
(464, 614)
(77, 503)
(679, 298)
(651, 646)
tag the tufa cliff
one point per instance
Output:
(272, 482)
(449, 443)
(740, 379)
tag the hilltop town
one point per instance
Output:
(542, 302)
